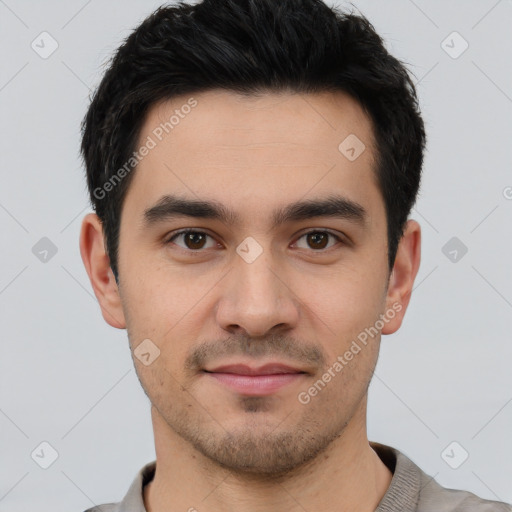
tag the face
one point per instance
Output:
(253, 316)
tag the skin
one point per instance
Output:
(299, 303)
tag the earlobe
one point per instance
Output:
(97, 265)
(401, 280)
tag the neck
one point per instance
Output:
(186, 480)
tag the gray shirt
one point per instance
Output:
(411, 490)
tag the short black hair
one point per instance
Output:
(252, 47)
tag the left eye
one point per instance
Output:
(319, 239)
(195, 240)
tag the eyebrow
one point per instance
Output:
(335, 206)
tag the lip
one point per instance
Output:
(266, 369)
(255, 381)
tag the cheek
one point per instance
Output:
(343, 303)
(163, 387)
(157, 299)
(169, 313)
(338, 391)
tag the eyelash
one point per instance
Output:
(197, 251)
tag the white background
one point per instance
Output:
(67, 377)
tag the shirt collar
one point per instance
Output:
(134, 498)
(404, 489)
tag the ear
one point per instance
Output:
(97, 265)
(402, 277)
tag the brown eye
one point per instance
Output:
(192, 240)
(318, 240)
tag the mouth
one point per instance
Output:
(255, 381)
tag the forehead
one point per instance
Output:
(252, 150)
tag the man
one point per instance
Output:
(252, 165)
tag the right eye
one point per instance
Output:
(193, 240)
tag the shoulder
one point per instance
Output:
(433, 496)
(413, 489)
(133, 501)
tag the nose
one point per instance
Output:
(257, 298)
